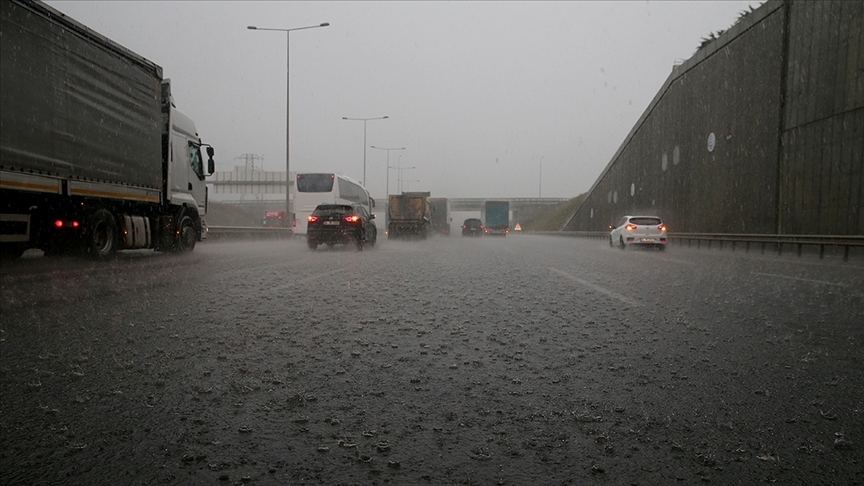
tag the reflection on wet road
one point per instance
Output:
(470, 361)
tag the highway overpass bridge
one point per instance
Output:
(470, 204)
(247, 186)
(251, 192)
(516, 203)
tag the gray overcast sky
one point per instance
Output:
(479, 93)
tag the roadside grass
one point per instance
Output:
(554, 218)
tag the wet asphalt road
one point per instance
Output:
(517, 360)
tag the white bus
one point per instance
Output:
(312, 189)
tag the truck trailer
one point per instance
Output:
(439, 215)
(94, 156)
(408, 215)
(496, 215)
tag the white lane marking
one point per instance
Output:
(800, 279)
(596, 287)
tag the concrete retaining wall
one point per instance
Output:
(759, 132)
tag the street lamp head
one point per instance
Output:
(325, 24)
(366, 119)
(387, 149)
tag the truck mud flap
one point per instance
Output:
(163, 236)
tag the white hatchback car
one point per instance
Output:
(639, 230)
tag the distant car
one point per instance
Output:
(472, 227)
(333, 224)
(639, 230)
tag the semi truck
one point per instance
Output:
(408, 215)
(497, 217)
(439, 215)
(94, 156)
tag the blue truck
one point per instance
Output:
(496, 215)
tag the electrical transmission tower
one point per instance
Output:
(250, 160)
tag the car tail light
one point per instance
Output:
(630, 227)
(312, 218)
(60, 224)
(352, 218)
(662, 227)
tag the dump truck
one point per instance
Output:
(496, 216)
(94, 156)
(439, 215)
(408, 215)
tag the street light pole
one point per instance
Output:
(540, 183)
(287, 106)
(364, 120)
(399, 170)
(388, 166)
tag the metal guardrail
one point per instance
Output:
(217, 232)
(777, 242)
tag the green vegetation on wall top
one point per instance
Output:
(714, 35)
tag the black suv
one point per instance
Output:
(472, 227)
(341, 223)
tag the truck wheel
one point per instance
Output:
(186, 237)
(102, 239)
